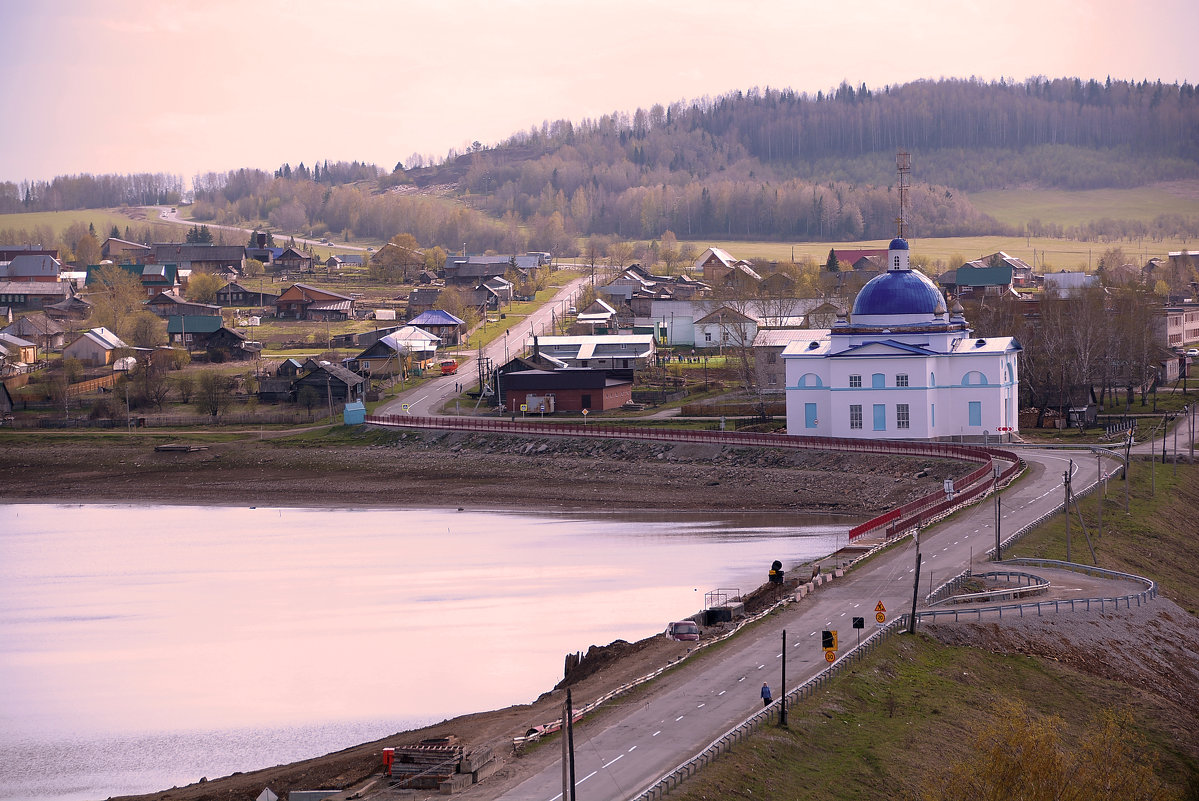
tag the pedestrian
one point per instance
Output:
(766, 699)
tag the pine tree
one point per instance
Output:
(832, 264)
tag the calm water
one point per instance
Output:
(146, 647)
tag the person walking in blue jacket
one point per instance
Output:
(766, 699)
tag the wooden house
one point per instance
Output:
(331, 379)
(304, 302)
(169, 304)
(40, 329)
(292, 261)
(95, 348)
(236, 294)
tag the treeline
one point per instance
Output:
(90, 192)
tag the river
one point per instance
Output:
(143, 647)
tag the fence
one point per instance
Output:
(171, 421)
(84, 387)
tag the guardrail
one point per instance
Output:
(1026, 584)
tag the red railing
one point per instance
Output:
(967, 488)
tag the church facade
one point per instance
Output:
(902, 366)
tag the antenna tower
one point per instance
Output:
(903, 161)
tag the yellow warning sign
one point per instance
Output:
(880, 617)
(830, 656)
(879, 607)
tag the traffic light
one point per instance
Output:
(828, 640)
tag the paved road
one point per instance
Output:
(171, 215)
(428, 399)
(626, 748)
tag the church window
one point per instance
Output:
(880, 417)
(855, 381)
(902, 416)
(855, 416)
(901, 380)
(896, 262)
(976, 413)
(878, 381)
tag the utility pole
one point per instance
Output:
(783, 686)
(1102, 491)
(1153, 464)
(568, 750)
(1066, 486)
(915, 584)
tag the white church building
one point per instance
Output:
(902, 366)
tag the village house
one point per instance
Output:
(40, 329)
(975, 279)
(226, 344)
(122, 252)
(31, 267)
(385, 357)
(95, 348)
(192, 331)
(616, 354)
(331, 380)
(550, 391)
(34, 295)
(199, 258)
(168, 304)
(14, 350)
(292, 261)
(304, 302)
(724, 327)
(769, 344)
(236, 294)
(445, 326)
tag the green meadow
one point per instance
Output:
(1145, 203)
(102, 219)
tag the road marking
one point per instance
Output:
(722, 692)
(609, 764)
(778, 656)
(631, 750)
(588, 776)
(741, 679)
(761, 666)
(680, 717)
(655, 734)
(701, 706)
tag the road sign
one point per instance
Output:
(830, 656)
(859, 622)
(586, 412)
(828, 640)
(880, 617)
(524, 407)
(404, 407)
(878, 607)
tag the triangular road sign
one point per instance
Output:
(880, 608)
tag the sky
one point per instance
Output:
(125, 86)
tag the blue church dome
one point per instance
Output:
(899, 292)
(898, 244)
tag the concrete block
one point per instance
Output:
(456, 783)
(486, 770)
(476, 759)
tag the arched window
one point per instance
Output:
(878, 381)
(809, 380)
(973, 378)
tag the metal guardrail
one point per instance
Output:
(1026, 584)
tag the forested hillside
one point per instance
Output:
(757, 165)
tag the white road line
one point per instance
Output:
(680, 717)
(741, 679)
(585, 778)
(613, 762)
(761, 666)
(778, 656)
(722, 692)
(631, 750)
(655, 734)
(701, 706)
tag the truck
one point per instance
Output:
(449, 367)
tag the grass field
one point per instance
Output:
(1045, 254)
(1017, 206)
(102, 219)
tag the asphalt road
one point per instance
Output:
(624, 749)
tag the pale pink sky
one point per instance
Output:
(164, 86)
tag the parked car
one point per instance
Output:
(683, 631)
(1193, 352)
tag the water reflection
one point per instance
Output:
(126, 624)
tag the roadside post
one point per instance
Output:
(859, 623)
